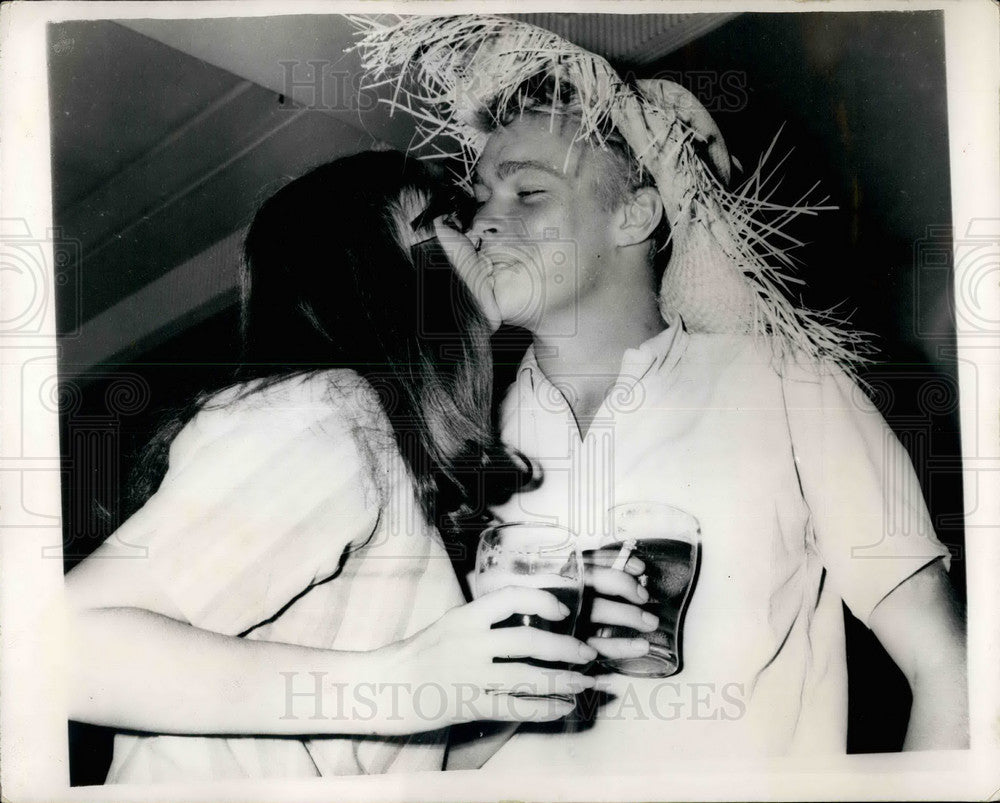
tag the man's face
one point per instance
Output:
(543, 227)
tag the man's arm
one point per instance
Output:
(921, 626)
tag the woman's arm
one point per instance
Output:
(139, 669)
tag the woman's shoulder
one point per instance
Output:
(340, 387)
(298, 398)
(336, 404)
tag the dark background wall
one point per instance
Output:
(862, 100)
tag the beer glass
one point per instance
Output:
(668, 541)
(532, 555)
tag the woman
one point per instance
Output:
(294, 584)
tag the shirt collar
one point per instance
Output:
(660, 354)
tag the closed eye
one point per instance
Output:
(529, 193)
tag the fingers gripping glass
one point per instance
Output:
(530, 555)
(668, 541)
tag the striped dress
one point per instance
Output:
(290, 516)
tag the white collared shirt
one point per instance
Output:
(804, 496)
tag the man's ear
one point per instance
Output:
(638, 216)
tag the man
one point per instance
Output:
(627, 394)
(612, 393)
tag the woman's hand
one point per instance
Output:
(473, 268)
(606, 582)
(449, 672)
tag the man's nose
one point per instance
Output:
(491, 219)
(485, 226)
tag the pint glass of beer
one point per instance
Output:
(668, 541)
(532, 555)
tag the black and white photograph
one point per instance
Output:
(448, 402)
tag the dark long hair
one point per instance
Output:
(327, 283)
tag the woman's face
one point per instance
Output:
(410, 206)
(437, 243)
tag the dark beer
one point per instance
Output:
(671, 566)
(565, 589)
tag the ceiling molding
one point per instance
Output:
(186, 295)
(307, 58)
(172, 167)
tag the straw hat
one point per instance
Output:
(730, 266)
